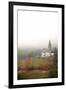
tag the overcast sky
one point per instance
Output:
(35, 29)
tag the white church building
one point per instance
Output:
(48, 52)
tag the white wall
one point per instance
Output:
(4, 43)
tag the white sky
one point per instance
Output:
(35, 29)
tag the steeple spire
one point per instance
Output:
(49, 46)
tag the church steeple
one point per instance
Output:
(49, 46)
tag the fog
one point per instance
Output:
(35, 29)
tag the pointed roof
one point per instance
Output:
(49, 46)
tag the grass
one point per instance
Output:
(33, 74)
(39, 68)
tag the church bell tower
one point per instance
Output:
(49, 46)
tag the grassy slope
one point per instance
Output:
(48, 69)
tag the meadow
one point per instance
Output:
(37, 67)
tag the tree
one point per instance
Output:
(55, 55)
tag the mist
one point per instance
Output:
(35, 29)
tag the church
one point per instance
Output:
(47, 52)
